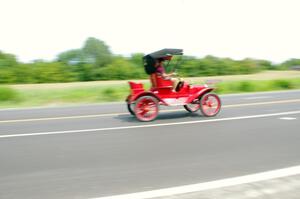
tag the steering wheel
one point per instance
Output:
(179, 86)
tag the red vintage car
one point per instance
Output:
(144, 104)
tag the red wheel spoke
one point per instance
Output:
(146, 108)
(211, 105)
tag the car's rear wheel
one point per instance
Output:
(130, 108)
(146, 108)
(210, 104)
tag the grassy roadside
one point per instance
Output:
(11, 96)
(258, 85)
(52, 97)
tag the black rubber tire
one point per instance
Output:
(130, 109)
(186, 107)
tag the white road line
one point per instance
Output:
(261, 93)
(287, 118)
(119, 114)
(62, 118)
(269, 175)
(258, 97)
(262, 103)
(60, 106)
(150, 125)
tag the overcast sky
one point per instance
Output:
(265, 29)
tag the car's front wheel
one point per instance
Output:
(210, 104)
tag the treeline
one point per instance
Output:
(94, 61)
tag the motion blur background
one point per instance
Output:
(64, 60)
(59, 41)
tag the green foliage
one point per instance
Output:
(96, 52)
(212, 66)
(94, 61)
(137, 59)
(283, 84)
(266, 65)
(7, 75)
(7, 60)
(84, 72)
(8, 94)
(245, 86)
(41, 72)
(289, 63)
(71, 57)
(121, 69)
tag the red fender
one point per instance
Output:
(131, 99)
(199, 94)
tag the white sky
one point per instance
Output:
(40, 29)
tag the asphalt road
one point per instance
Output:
(100, 150)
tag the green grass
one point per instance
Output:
(10, 97)
(8, 94)
(74, 95)
(257, 85)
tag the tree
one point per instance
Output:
(96, 52)
(7, 60)
(248, 66)
(71, 57)
(120, 68)
(290, 63)
(137, 59)
(265, 65)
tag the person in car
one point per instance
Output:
(160, 71)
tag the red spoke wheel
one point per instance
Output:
(210, 104)
(192, 108)
(146, 108)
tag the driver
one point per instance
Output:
(160, 70)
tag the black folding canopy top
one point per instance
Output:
(149, 60)
(166, 53)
